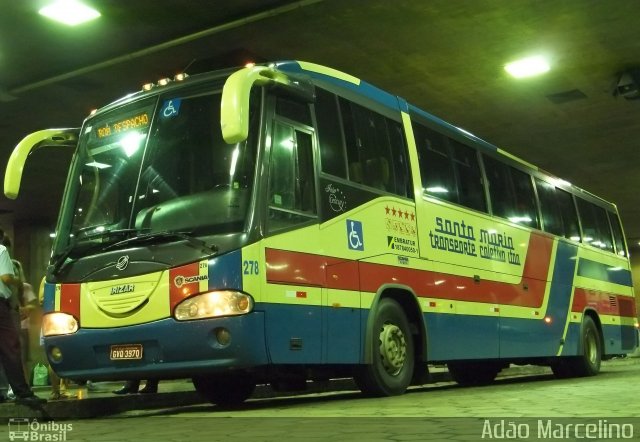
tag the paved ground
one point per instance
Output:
(523, 399)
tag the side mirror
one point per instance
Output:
(42, 138)
(234, 115)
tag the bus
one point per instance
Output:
(287, 222)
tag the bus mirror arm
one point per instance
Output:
(234, 112)
(42, 138)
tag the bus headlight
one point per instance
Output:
(59, 323)
(214, 304)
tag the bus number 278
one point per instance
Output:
(250, 267)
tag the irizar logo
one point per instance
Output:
(125, 288)
(180, 280)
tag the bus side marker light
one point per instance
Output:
(214, 304)
(59, 323)
(548, 320)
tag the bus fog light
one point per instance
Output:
(213, 305)
(59, 323)
(223, 336)
(55, 354)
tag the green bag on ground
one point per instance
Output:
(40, 375)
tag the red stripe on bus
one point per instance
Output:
(70, 299)
(446, 286)
(297, 268)
(536, 265)
(306, 269)
(603, 302)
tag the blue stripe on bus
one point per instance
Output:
(454, 337)
(451, 128)
(170, 349)
(364, 88)
(226, 271)
(571, 340)
(49, 301)
(603, 272)
(528, 337)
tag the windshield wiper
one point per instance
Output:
(148, 237)
(61, 258)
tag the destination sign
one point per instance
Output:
(135, 122)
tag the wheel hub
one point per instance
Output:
(591, 348)
(393, 348)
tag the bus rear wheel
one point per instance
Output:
(225, 390)
(588, 362)
(391, 370)
(473, 373)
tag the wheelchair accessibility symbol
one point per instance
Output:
(170, 108)
(354, 235)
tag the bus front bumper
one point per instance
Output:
(170, 349)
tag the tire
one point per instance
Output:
(474, 373)
(391, 370)
(225, 390)
(588, 362)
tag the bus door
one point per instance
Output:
(295, 273)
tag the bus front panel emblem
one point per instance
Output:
(122, 262)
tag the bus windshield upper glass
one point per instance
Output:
(157, 165)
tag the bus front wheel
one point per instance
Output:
(225, 390)
(391, 370)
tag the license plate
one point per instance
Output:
(125, 352)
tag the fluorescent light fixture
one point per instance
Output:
(69, 12)
(527, 67)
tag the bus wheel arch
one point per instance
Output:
(590, 350)
(394, 343)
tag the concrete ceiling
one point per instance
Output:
(445, 56)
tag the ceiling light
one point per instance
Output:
(527, 67)
(69, 12)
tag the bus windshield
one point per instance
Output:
(157, 165)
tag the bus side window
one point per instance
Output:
(332, 154)
(435, 165)
(468, 176)
(400, 160)
(376, 150)
(551, 214)
(450, 170)
(570, 225)
(511, 192)
(618, 237)
(293, 110)
(595, 226)
(291, 177)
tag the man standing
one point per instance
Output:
(10, 352)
